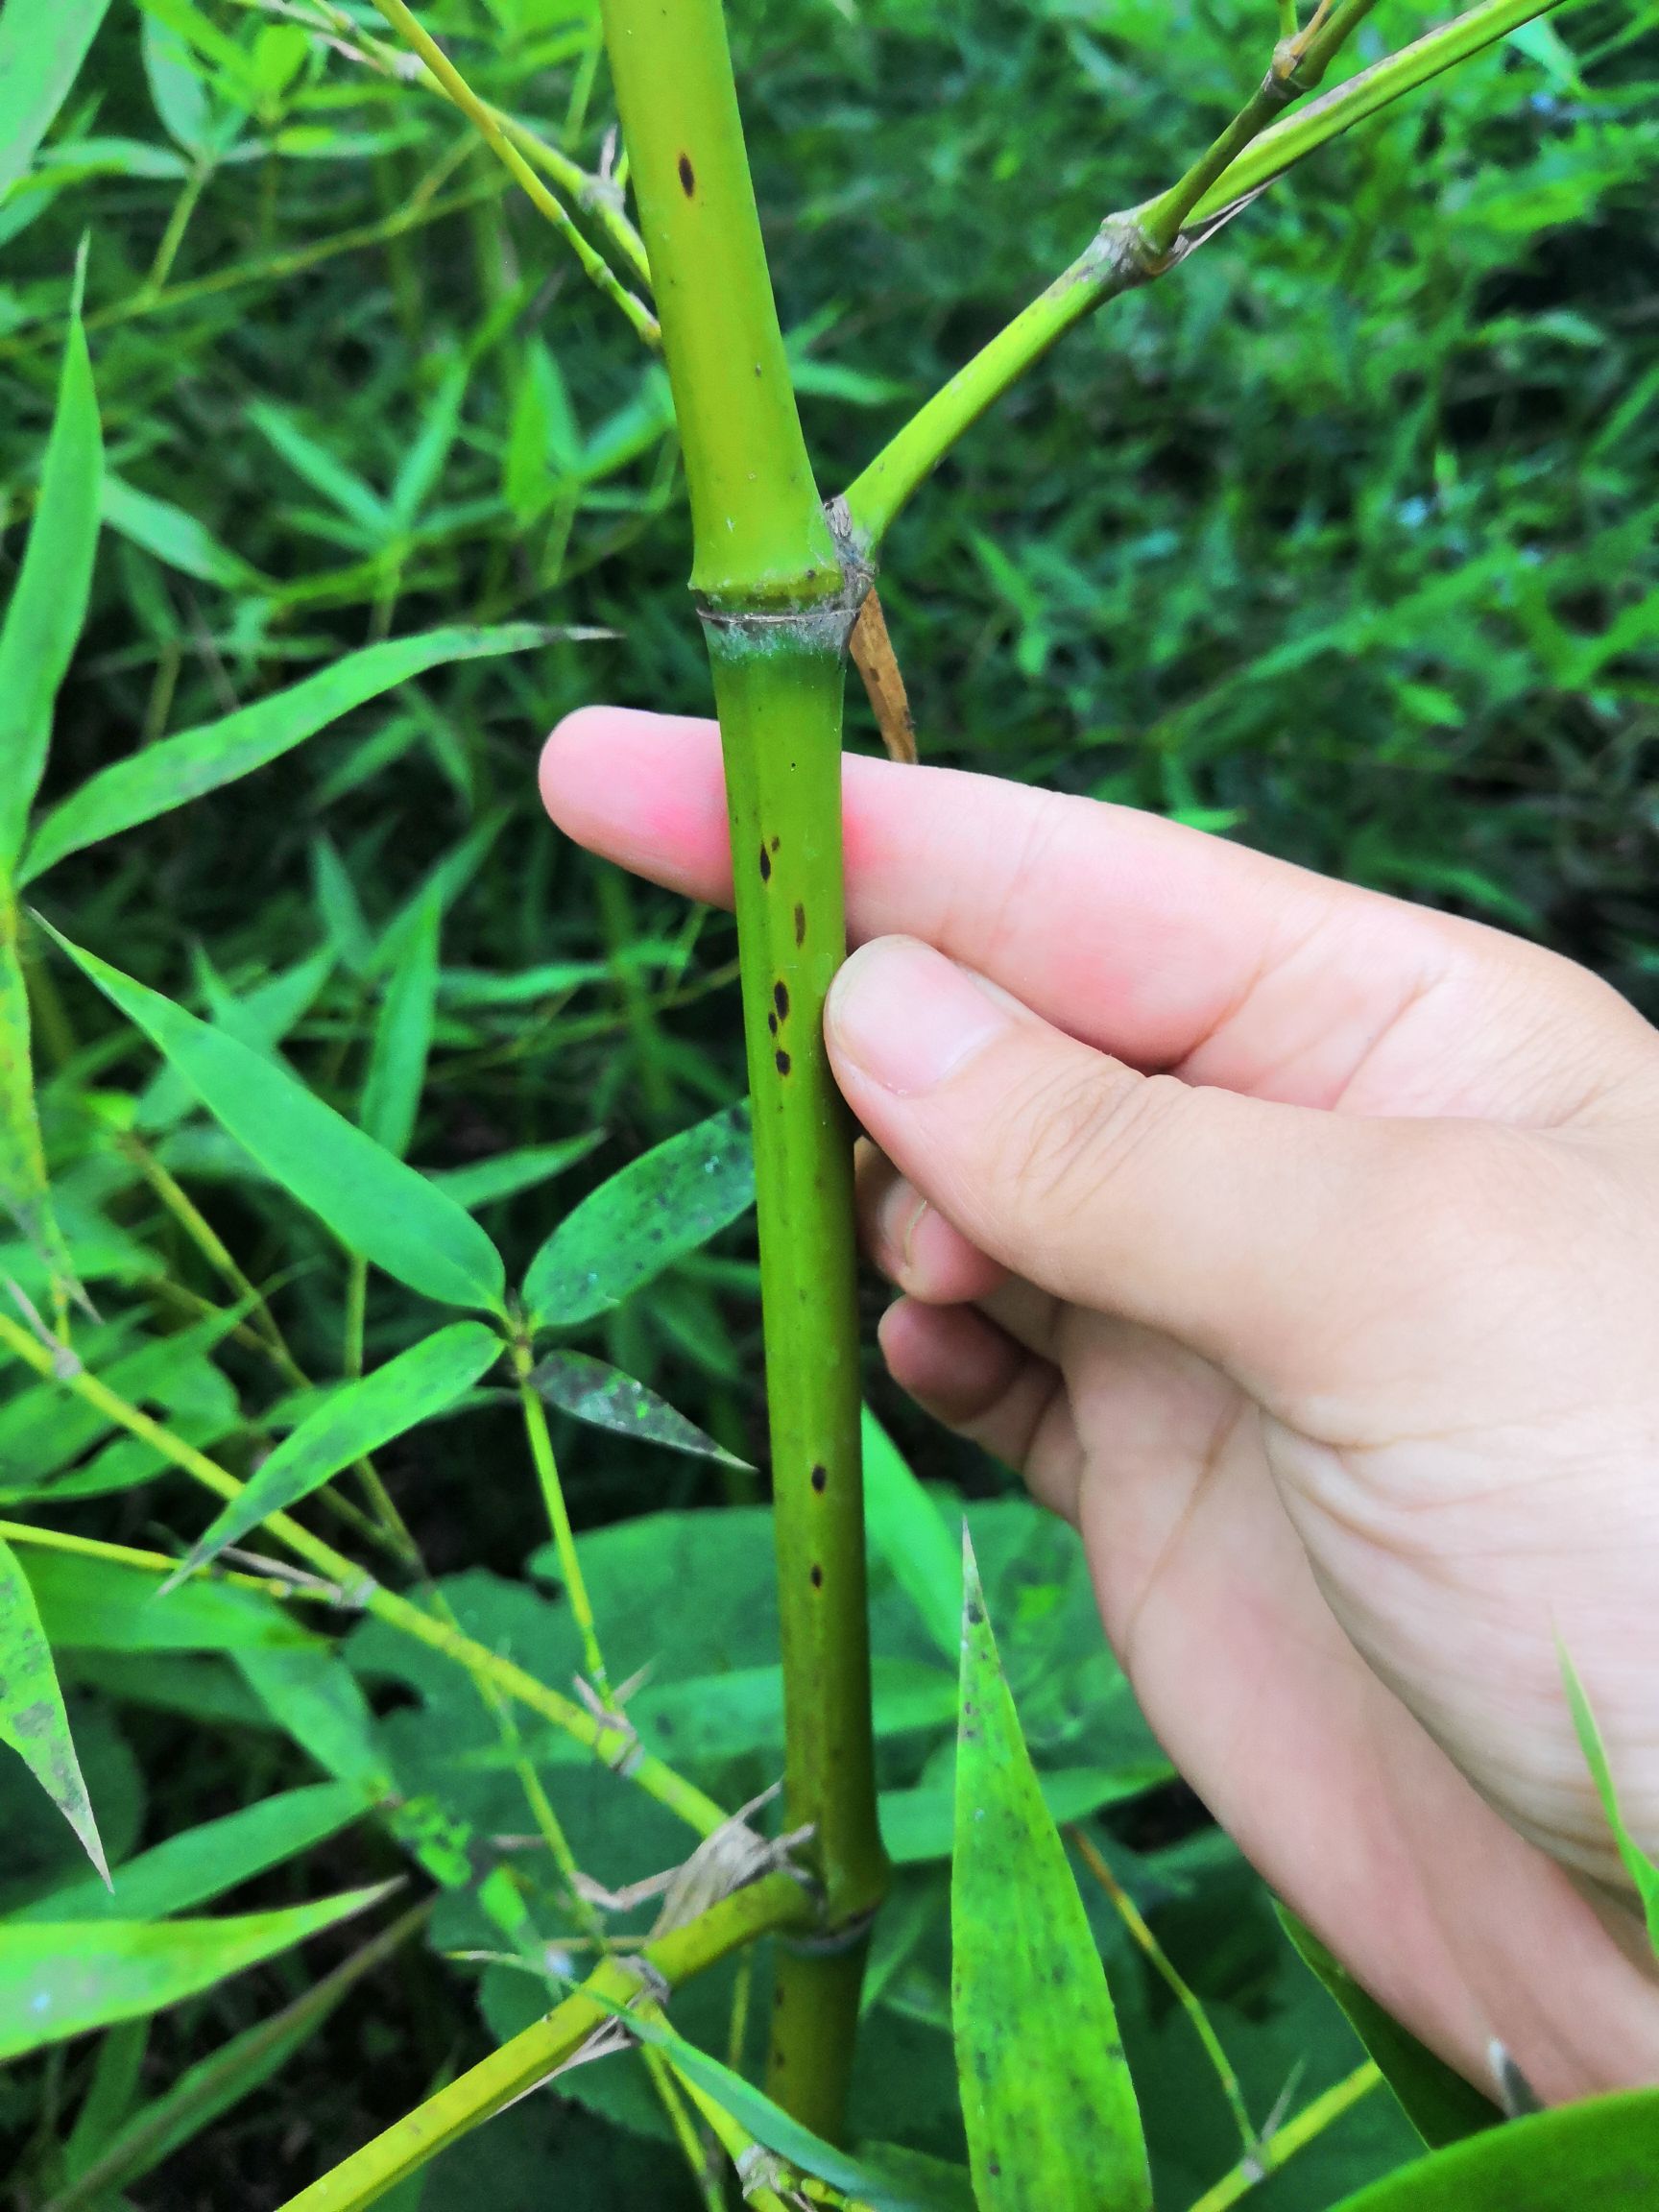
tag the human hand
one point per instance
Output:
(1301, 1246)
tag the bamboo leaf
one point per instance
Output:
(1439, 2104)
(215, 2085)
(204, 1862)
(94, 1604)
(661, 1206)
(773, 2127)
(24, 1189)
(1049, 2109)
(590, 1391)
(1604, 2153)
(32, 1719)
(42, 45)
(1643, 1872)
(59, 1979)
(48, 604)
(483, 1182)
(919, 1824)
(419, 1383)
(317, 1700)
(202, 759)
(374, 1203)
(174, 537)
(907, 1530)
(403, 1037)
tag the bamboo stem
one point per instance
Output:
(777, 608)
(558, 1516)
(773, 1902)
(1280, 2146)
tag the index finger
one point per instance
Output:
(1167, 948)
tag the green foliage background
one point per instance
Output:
(1342, 540)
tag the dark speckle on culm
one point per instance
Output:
(799, 925)
(687, 176)
(817, 1575)
(783, 1061)
(765, 865)
(820, 1476)
(780, 999)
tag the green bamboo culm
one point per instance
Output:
(776, 609)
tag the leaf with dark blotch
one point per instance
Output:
(1439, 2104)
(374, 1203)
(351, 1423)
(32, 1719)
(59, 1979)
(1049, 2109)
(604, 1397)
(1601, 2156)
(181, 768)
(661, 1206)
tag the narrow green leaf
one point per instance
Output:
(907, 1530)
(483, 1182)
(87, 1603)
(59, 1980)
(32, 1716)
(317, 1700)
(199, 761)
(773, 2127)
(425, 1380)
(349, 935)
(372, 1203)
(174, 537)
(590, 1391)
(319, 468)
(203, 1862)
(1643, 1872)
(215, 2085)
(1439, 2104)
(48, 603)
(403, 1037)
(24, 1190)
(1047, 2104)
(661, 1206)
(42, 45)
(424, 464)
(1602, 2154)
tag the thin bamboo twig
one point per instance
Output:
(1122, 255)
(764, 1908)
(611, 1741)
(557, 1516)
(1297, 2133)
(1129, 1914)
(501, 142)
(597, 197)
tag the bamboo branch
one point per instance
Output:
(1282, 2145)
(1126, 253)
(775, 1903)
(501, 141)
(611, 1741)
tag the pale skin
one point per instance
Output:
(1302, 1247)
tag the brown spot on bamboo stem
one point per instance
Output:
(799, 925)
(780, 999)
(820, 1478)
(765, 865)
(817, 1575)
(687, 176)
(783, 1060)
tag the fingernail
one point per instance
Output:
(907, 1017)
(898, 1218)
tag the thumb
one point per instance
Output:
(1260, 1234)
